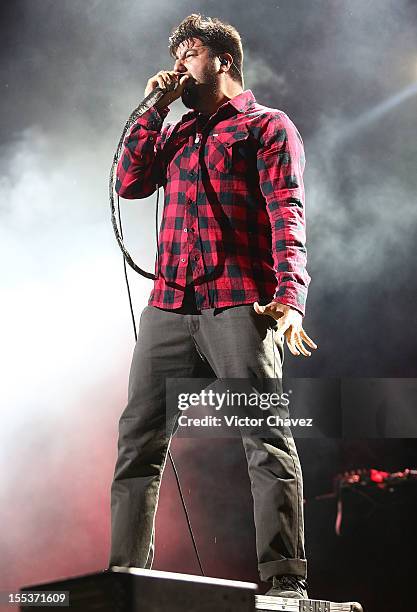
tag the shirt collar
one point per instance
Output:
(242, 102)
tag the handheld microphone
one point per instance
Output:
(155, 95)
(151, 99)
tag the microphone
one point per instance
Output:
(155, 95)
(151, 99)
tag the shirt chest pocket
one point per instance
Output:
(229, 153)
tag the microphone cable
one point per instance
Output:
(149, 101)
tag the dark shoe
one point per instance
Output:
(288, 586)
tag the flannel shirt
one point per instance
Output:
(233, 221)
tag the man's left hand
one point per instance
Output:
(290, 323)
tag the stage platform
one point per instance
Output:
(122, 589)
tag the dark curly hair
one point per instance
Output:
(218, 36)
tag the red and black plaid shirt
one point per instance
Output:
(234, 203)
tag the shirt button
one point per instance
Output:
(192, 174)
(196, 257)
(182, 258)
(185, 229)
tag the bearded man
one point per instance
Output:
(231, 286)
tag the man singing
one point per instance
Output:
(231, 286)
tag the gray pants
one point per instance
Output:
(231, 342)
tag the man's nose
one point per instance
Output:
(179, 66)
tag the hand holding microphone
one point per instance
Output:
(171, 81)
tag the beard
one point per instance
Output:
(191, 96)
(194, 94)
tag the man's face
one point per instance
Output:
(194, 58)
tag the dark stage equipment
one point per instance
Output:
(369, 478)
(372, 484)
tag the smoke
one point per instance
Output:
(261, 76)
(358, 231)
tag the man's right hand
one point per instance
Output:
(170, 79)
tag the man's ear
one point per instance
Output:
(226, 60)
